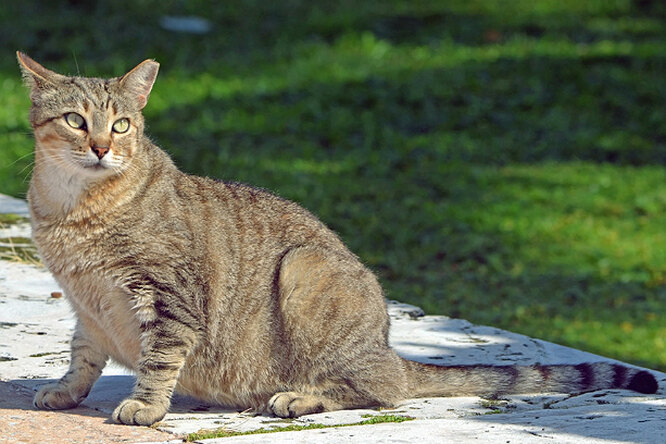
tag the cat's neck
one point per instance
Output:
(54, 191)
(64, 193)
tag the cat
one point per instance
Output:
(217, 290)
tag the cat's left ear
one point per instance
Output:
(139, 82)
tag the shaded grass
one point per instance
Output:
(500, 161)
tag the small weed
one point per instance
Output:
(280, 421)
(495, 405)
(378, 419)
(224, 433)
(39, 355)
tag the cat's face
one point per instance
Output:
(86, 126)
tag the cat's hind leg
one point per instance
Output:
(85, 368)
(335, 329)
(365, 381)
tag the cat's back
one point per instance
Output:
(251, 216)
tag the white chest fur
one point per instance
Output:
(106, 315)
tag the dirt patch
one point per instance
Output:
(20, 422)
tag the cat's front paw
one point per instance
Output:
(135, 412)
(56, 397)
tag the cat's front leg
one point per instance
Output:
(85, 368)
(167, 340)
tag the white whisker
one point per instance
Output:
(20, 158)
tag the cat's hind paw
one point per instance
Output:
(293, 405)
(135, 412)
(55, 397)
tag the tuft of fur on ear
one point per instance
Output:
(139, 82)
(34, 74)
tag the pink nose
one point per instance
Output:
(100, 151)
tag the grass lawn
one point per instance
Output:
(496, 160)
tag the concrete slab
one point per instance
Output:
(35, 329)
(12, 205)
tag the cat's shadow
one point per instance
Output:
(109, 390)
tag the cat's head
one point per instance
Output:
(87, 126)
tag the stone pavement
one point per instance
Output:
(34, 335)
(21, 423)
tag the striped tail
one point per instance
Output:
(486, 380)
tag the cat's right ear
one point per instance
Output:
(139, 82)
(34, 74)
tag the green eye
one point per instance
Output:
(75, 120)
(121, 126)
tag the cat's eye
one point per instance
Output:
(120, 126)
(75, 120)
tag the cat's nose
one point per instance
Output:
(100, 151)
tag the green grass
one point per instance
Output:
(40, 355)
(225, 433)
(501, 161)
(10, 219)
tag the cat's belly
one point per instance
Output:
(106, 316)
(242, 386)
(109, 320)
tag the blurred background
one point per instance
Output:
(496, 160)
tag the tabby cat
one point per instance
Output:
(217, 290)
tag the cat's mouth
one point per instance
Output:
(93, 166)
(88, 164)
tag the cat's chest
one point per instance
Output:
(68, 248)
(80, 264)
(106, 312)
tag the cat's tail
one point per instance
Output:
(486, 380)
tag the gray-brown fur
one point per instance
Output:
(218, 290)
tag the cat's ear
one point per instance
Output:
(139, 81)
(34, 74)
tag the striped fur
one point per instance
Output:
(492, 381)
(217, 290)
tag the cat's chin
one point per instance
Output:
(95, 171)
(96, 167)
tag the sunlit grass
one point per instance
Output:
(357, 57)
(500, 161)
